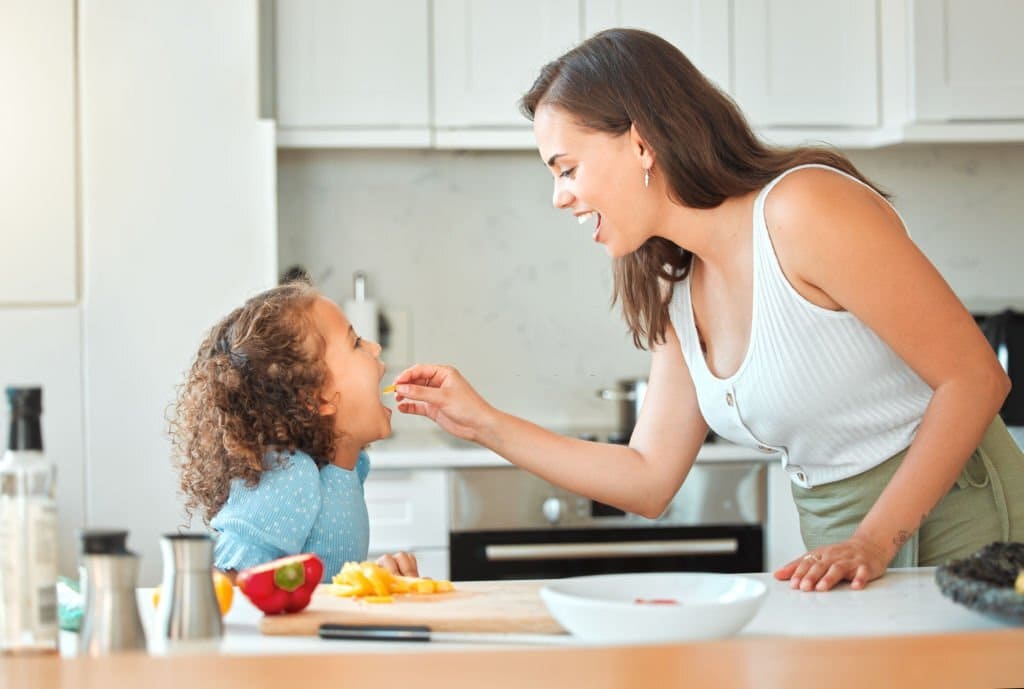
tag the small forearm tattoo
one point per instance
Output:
(902, 536)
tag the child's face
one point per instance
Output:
(352, 391)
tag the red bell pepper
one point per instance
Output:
(282, 585)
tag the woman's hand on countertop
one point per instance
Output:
(856, 560)
(441, 394)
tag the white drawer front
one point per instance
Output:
(408, 509)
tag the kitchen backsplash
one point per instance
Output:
(514, 293)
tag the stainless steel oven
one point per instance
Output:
(509, 524)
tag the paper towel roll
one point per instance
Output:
(363, 317)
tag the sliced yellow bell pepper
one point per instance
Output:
(375, 584)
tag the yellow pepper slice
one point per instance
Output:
(378, 599)
(373, 583)
(378, 577)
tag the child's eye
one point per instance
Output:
(570, 173)
(359, 341)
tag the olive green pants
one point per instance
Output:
(985, 504)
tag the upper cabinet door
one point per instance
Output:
(806, 62)
(351, 63)
(38, 217)
(487, 54)
(969, 59)
(699, 28)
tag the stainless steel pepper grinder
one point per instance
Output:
(111, 620)
(188, 616)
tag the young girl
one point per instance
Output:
(269, 429)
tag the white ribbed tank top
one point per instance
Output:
(816, 385)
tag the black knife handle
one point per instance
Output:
(374, 632)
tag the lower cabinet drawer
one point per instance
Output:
(408, 509)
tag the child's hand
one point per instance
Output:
(401, 563)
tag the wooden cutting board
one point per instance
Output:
(474, 606)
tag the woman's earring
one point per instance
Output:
(647, 177)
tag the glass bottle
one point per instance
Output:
(28, 532)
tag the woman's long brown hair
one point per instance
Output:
(702, 144)
(255, 386)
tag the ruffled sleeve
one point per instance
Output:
(270, 520)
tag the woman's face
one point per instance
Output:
(598, 177)
(352, 391)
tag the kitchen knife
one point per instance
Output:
(373, 632)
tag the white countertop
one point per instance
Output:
(436, 449)
(904, 602)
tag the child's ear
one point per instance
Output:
(327, 408)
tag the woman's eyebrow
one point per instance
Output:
(552, 159)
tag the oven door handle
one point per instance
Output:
(579, 551)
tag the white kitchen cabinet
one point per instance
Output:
(178, 183)
(806, 63)
(486, 55)
(38, 263)
(968, 60)
(699, 28)
(353, 73)
(408, 510)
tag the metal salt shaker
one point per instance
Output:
(111, 619)
(188, 615)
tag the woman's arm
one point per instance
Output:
(641, 478)
(839, 241)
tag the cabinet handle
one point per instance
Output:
(577, 551)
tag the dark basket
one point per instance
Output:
(984, 581)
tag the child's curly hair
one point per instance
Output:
(255, 386)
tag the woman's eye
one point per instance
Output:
(569, 173)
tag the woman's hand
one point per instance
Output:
(855, 559)
(401, 563)
(441, 394)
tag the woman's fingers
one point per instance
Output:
(410, 407)
(826, 568)
(786, 571)
(432, 375)
(860, 577)
(418, 393)
(811, 576)
(832, 576)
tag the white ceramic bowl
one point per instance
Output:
(655, 607)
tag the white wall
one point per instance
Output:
(178, 194)
(41, 346)
(516, 294)
(495, 280)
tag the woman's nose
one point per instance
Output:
(561, 198)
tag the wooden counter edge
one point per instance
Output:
(973, 659)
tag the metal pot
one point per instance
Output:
(629, 393)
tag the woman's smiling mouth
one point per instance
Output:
(587, 215)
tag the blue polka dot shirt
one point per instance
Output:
(295, 508)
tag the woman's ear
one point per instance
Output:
(639, 146)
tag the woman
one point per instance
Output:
(784, 304)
